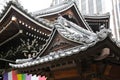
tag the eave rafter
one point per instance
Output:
(19, 11)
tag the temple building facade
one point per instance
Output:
(57, 43)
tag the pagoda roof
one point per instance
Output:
(71, 32)
(58, 9)
(14, 10)
(102, 35)
(17, 23)
(11, 5)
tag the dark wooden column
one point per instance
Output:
(79, 68)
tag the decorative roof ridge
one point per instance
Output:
(54, 9)
(102, 35)
(65, 3)
(77, 27)
(23, 11)
(73, 32)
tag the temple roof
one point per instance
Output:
(24, 12)
(58, 9)
(67, 29)
(101, 36)
(71, 32)
(16, 23)
(13, 10)
(54, 9)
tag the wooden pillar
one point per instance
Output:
(107, 70)
(79, 68)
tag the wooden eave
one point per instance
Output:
(104, 18)
(14, 30)
(89, 54)
(52, 65)
(98, 20)
(22, 16)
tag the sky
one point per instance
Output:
(31, 5)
